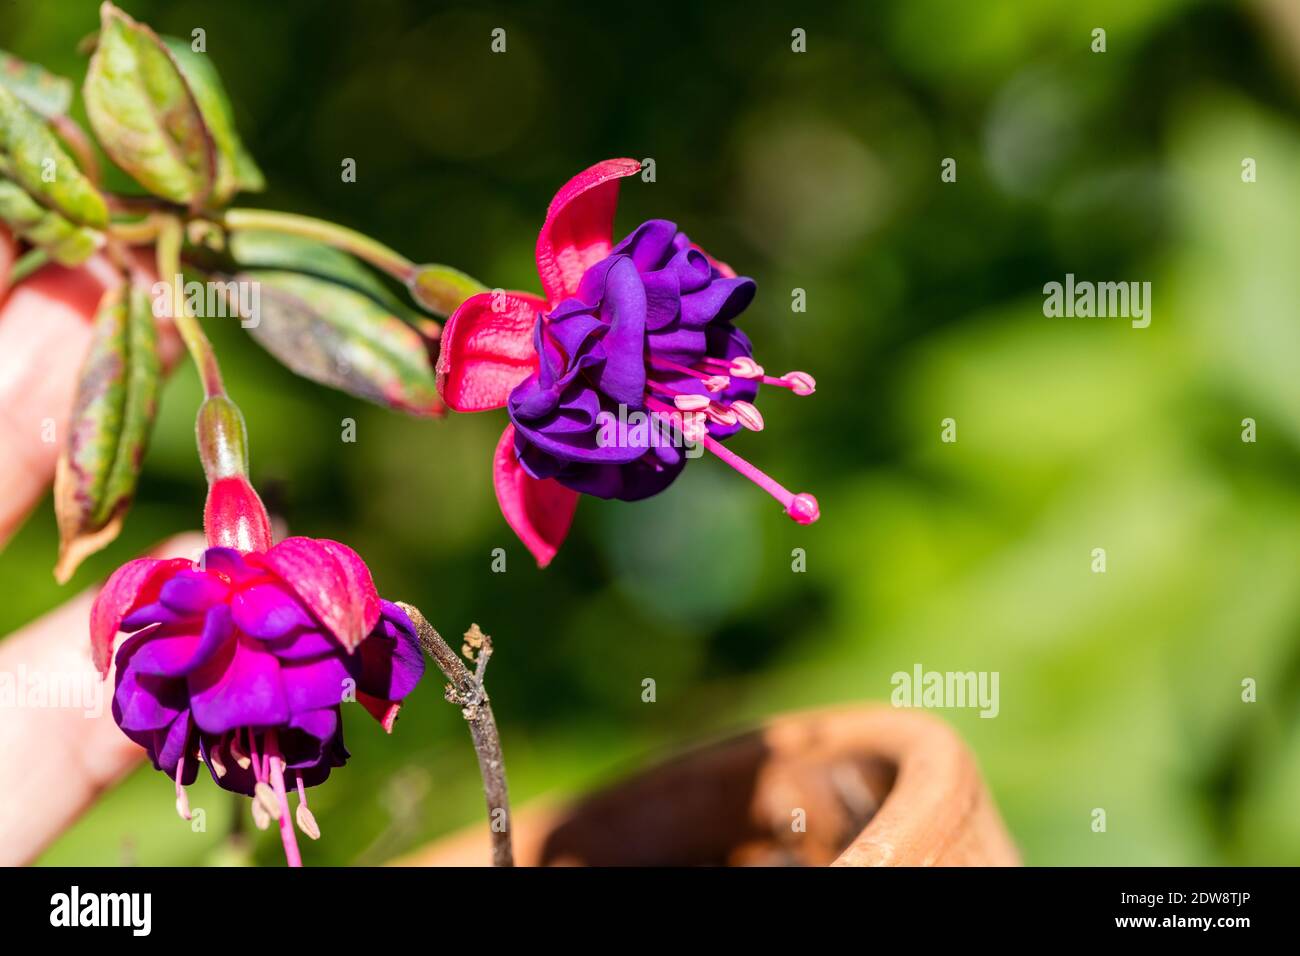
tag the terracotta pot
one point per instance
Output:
(860, 786)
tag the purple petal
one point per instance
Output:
(172, 746)
(304, 645)
(390, 662)
(193, 592)
(155, 613)
(175, 655)
(239, 687)
(268, 611)
(142, 702)
(230, 563)
(313, 685)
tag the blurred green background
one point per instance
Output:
(817, 171)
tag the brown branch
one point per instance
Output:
(467, 691)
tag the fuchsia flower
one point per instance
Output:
(644, 326)
(243, 660)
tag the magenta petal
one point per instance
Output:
(168, 655)
(304, 645)
(153, 613)
(193, 592)
(130, 585)
(268, 611)
(332, 581)
(239, 687)
(230, 564)
(579, 226)
(321, 724)
(313, 685)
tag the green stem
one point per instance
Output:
(438, 288)
(340, 237)
(170, 235)
(30, 261)
(137, 232)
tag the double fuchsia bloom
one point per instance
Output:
(642, 326)
(243, 661)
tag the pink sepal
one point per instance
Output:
(487, 349)
(579, 227)
(332, 580)
(539, 510)
(133, 584)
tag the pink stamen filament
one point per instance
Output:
(742, 366)
(801, 507)
(712, 381)
(685, 401)
(259, 772)
(182, 798)
(692, 428)
(276, 768)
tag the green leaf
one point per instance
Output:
(339, 337)
(145, 115)
(31, 156)
(236, 170)
(64, 241)
(37, 87)
(264, 249)
(108, 434)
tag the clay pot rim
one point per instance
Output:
(936, 811)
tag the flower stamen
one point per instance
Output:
(287, 837)
(214, 758)
(306, 819)
(182, 798)
(749, 415)
(801, 383)
(713, 382)
(802, 507)
(241, 758)
(742, 366)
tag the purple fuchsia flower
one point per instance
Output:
(242, 660)
(644, 326)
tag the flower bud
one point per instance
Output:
(222, 438)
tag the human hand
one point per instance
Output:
(54, 762)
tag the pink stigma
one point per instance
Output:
(287, 837)
(803, 508)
